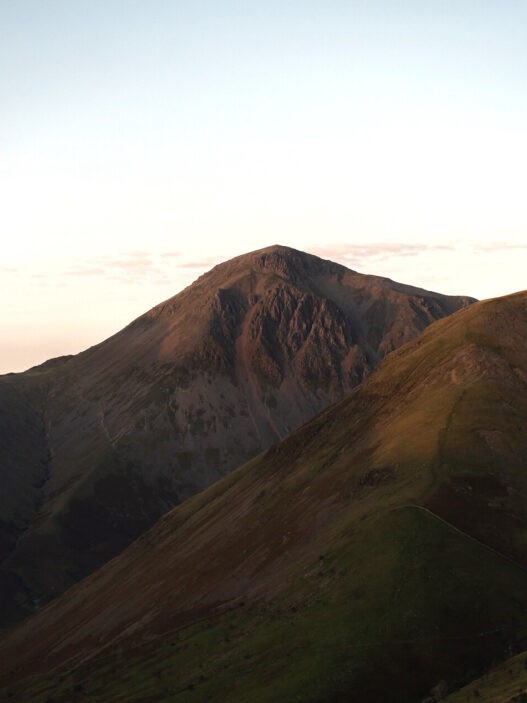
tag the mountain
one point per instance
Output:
(379, 553)
(96, 447)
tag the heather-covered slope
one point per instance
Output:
(379, 553)
(94, 448)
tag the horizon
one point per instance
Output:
(141, 146)
(322, 252)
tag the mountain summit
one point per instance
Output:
(97, 446)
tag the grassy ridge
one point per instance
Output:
(350, 627)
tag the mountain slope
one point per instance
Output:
(377, 553)
(94, 448)
(504, 683)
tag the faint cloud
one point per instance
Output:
(79, 271)
(136, 262)
(130, 267)
(499, 246)
(43, 279)
(199, 263)
(361, 256)
(127, 267)
(377, 251)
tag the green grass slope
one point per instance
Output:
(389, 632)
(378, 554)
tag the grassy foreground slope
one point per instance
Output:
(378, 554)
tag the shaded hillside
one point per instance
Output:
(504, 683)
(95, 447)
(379, 553)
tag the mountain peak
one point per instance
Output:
(285, 262)
(292, 262)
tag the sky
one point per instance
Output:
(142, 143)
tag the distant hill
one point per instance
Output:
(377, 554)
(94, 448)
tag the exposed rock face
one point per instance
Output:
(119, 434)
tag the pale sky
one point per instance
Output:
(141, 143)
